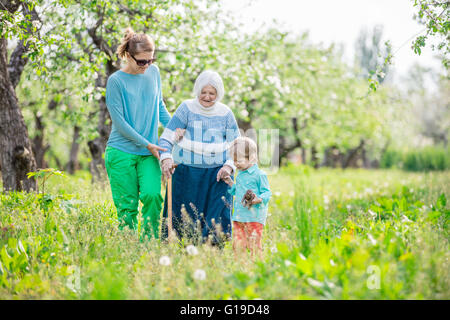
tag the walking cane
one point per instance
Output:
(169, 208)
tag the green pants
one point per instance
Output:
(133, 178)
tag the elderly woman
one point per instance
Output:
(200, 201)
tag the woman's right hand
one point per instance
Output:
(154, 149)
(167, 167)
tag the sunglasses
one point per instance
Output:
(142, 62)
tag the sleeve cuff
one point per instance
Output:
(165, 156)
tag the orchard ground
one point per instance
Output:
(331, 234)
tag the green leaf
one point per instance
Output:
(441, 202)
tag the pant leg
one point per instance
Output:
(239, 237)
(121, 169)
(149, 179)
(254, 233)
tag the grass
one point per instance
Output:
(423, 159)
(331, 234)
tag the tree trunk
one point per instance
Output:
(314, 158)
(303, 150)
(39, 149)
(73, 164)
(284, 148)
(15, 148)
(98, 145)
(353, 158)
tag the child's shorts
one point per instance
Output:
(247, 234)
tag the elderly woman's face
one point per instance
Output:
(208, 96)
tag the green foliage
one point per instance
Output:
(424, 159)
(43, 175)
(435, 16)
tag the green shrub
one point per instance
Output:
(424, 159)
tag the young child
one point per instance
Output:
(252, 194)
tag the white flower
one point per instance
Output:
(164, 261)
(315, 283)
(372, 240)
(277, 193)
(273, 249)
(332, 263)
(199, 274)
(405, 219)
(192, 250)
(302, 256)
(244, 113)
(288, 263)
(373, 214)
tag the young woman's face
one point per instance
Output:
(135, 66)
(208, 96)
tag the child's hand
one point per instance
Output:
(247, 200)
(256, 200)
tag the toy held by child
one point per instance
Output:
(253, 191)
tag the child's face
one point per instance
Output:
(241, 162)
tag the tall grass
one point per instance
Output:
(424, 159)
(331, 234)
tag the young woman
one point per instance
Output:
(200, 201)
(135, 103)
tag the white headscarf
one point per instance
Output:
(212, 78)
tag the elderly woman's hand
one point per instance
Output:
(167, 167)
(224, 172)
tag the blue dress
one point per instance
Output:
(201, 206)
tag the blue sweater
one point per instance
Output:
(209, 131)
(136, 106)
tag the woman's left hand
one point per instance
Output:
(154, 150)
(224, 172)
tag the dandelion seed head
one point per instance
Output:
(199, 274)
(192, 250)
(164, 261)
